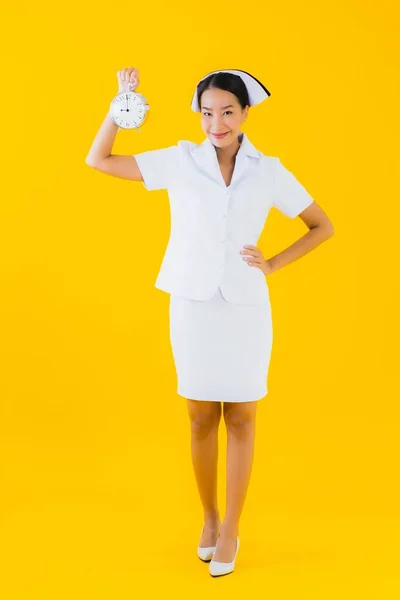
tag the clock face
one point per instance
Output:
(128, 110)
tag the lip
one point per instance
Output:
(219, 136)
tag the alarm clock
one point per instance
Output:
(129, 110)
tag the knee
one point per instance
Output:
(203, 419)
(240, 422)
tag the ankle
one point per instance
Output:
(212, 518)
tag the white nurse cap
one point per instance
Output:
(256, 90)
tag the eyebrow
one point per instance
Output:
(229, 106)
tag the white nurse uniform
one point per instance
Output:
(220, 313)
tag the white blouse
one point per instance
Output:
(211, 222)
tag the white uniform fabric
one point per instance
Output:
(220, 312)
(211, 222)
(221, 349)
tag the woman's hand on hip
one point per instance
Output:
(256, 258)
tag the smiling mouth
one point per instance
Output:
(220, 134)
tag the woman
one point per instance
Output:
(220, 193)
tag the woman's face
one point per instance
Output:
(221, 113)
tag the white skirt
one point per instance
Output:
(221, 350)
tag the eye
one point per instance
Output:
(207, 113)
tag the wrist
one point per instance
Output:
(268, 267)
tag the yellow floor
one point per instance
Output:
(98, 547)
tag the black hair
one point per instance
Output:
(225, 81)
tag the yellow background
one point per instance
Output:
(98, 497)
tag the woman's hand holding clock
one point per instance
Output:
(129, 109)
(256, 259)
(128, 79)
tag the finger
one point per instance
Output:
(125, 73)
(254, 263)
(254, 259)
(133, 78)
(251, 261)
(250, 250)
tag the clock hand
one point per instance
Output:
(125, 109)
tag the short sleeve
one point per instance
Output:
(157, 167)
(289, 196)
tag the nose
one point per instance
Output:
(218, 127)
(217, 122)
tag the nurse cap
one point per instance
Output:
(256, 90)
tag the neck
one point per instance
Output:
(227, 155)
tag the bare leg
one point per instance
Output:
(240, 419)
(205, 418)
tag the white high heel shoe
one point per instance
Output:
(222, 568)
(205, 553)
